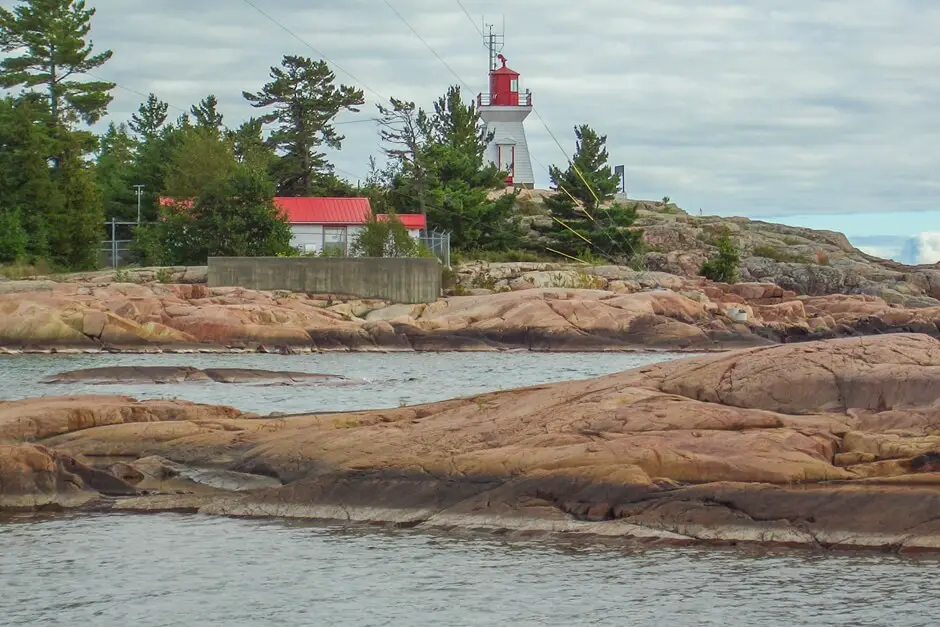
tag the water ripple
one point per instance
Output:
(192, 570)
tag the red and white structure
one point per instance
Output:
(503, 111)
(321, 223)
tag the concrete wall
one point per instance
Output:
(397, 280)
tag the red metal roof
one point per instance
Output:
(413, 221)
(504, 70)
(315, 210)
(325, 210)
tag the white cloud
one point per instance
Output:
(923, 248)
(770, 108)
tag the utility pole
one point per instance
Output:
(140, 190)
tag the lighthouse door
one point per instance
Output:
(507, 160)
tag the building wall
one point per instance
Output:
(509, 122)
(309, 238)
(404, 280)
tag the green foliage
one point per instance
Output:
(437, 168)
(114, 171)
(198, 158)
(51, 39)
(78, 230)
(305, 101)
(582, 223)
(782, 256)
(233, 216)
(150, 118)
(206, 115)
(147, 247)
(723, 266)
(384, 238)
(27, 185)
(13, 237)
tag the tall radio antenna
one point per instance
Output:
(494, 42)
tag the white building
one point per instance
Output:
(333, 223)
(503, 111)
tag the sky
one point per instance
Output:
(821, 113)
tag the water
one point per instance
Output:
(152, 571)
(168, 569)
(379, 380)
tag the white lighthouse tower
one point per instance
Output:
(503, 111)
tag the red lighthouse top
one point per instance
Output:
(504, 89)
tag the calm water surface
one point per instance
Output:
(379, 380)
(151, 571)
(163, 570)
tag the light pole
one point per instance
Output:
(140, 190)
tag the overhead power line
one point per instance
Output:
(470, 17)
(317, 52)
(428, 46)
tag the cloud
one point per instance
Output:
(924, 248)
(770, 108)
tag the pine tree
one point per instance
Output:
(305, 100)
(51, 37)
(27, 187)
(150, 118)
(206, 114)
(461, 200)
(114, 171)
(586, 222)
(405, 130)
(75, 240)
(200, 158)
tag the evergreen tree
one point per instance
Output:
(114, 170)
(585, 225)
(250, 147)
(149, 119)
(206, 114)
(305, 100)
(199, 158)
(75, 240)
(51, 37)
(27, 188)
(462, 179)
(234, 216)
(405, 130)
(157, 141)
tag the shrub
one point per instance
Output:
(723, 266)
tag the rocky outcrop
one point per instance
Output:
(810, 262)
(624, 310)
(36, 478)
(187, 374)
(829, 444)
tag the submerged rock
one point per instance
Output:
(186, 374)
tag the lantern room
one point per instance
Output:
(504, 88)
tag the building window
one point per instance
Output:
(334, 240)
(514, 85)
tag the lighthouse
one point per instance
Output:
(503, 111)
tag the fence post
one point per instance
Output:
(114, 258)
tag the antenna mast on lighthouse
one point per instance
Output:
(494, 42)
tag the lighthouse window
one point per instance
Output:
(514, 85)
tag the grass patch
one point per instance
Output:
(782, 256)
(20, 271)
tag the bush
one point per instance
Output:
(13, 237)
(385, 238)
(723, 266)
